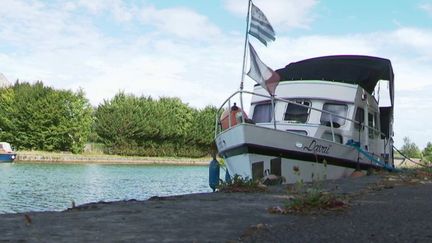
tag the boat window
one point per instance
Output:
(359, 117)
(328, 136)
(337, 109)
(371, 124)
(262, 113)
(376, 126)
(297, 114)
(301, 132)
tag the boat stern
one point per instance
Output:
(7, 157)
(6, 153)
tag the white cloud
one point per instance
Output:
(282, 14)
(412, 115)
(414, 39)
(117, 8)
(294, 49)
(427, 7)
(181, 22)
(94, 6)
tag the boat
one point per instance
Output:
(329, 116)
(6, 153)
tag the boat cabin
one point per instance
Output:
(342, 106)
(5, 147)
(328, 117)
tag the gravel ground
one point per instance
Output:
(383, 208)
(399, 214)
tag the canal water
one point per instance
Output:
(53, 187)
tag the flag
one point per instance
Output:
(262, 74)
(260, 27)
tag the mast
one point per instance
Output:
(245, 44)
(244, 58)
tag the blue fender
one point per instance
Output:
(214, 170)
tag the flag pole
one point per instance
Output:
(245, 44)
(244, 58)
(273, 110)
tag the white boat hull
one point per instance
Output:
(292, 170)
(253, 151)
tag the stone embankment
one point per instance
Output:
(106, 159)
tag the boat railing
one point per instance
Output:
(218, 125)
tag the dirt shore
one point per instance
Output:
(383, 208)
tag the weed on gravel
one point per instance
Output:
(310, 199)
(240, 184)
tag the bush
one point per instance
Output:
(427, 153)
(410, 149)
(36, 117)
(142, 126)
(240, 184)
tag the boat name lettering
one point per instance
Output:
(316, 147)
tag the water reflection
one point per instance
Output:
(43, 187)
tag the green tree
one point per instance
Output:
(75, 121)
(410, 149)
(7, 108)
(118, 123)
(131, 125)
(427, 152)
(175, 118)
(41, 118)
(202, 130)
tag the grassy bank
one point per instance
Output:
(69, 158)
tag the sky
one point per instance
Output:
(193, 49)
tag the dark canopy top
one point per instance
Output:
(365, 71)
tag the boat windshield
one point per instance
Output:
(262, 113)
(5, 147)
(297, 114)
(338, 109)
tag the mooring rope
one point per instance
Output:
(409, 159)
(356, 145)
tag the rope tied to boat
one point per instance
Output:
(409, 159)
(369, 156)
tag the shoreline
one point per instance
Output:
(59, 158)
